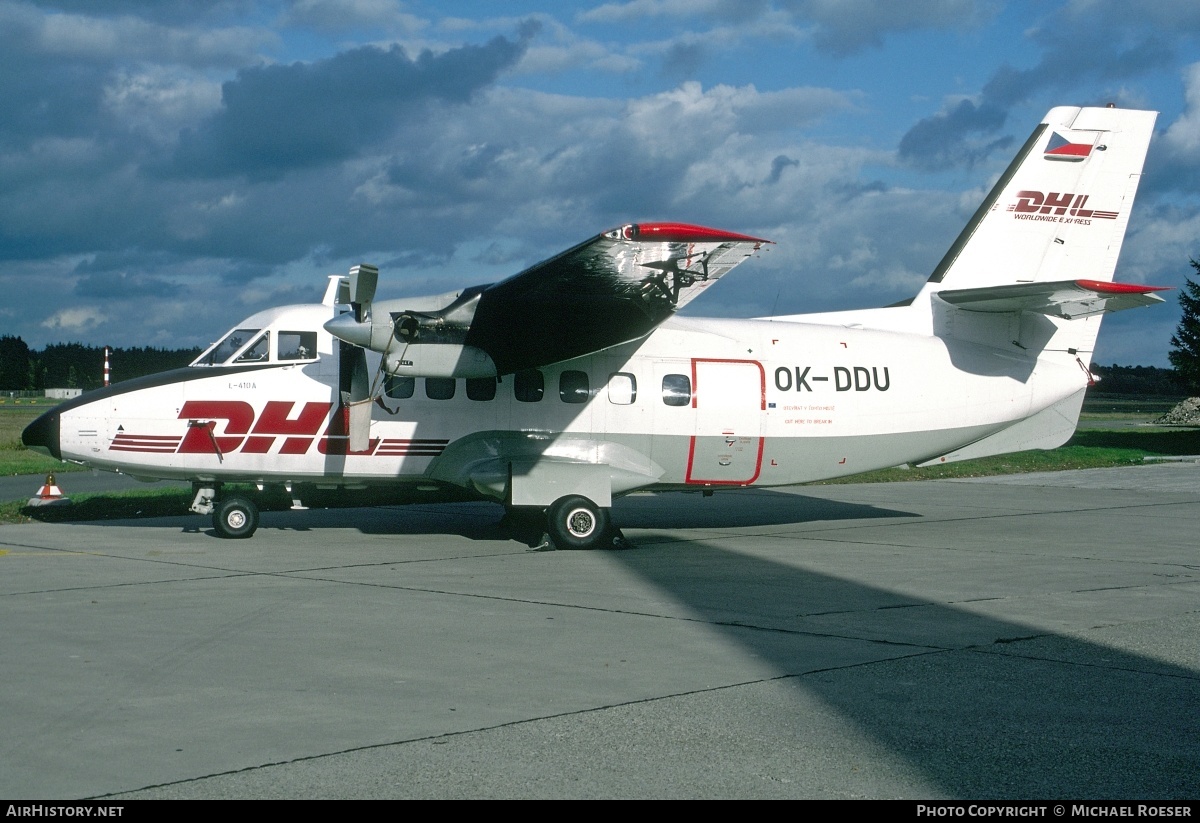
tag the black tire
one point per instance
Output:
(574, 522)
(235, 518)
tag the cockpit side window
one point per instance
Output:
(227, 347)
(258, 352)
(297, 345)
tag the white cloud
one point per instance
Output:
(75, 320)
(159, 101)
(1183, 136)
(688, 110)
(848, 26)
(130, 38)
(339, 15)
(550, 59)
(636, 10)
(1159, 245)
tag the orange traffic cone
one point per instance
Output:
(49, 494)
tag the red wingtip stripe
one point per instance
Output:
(684, 233)
(1118, 288)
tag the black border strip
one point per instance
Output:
(964, 237)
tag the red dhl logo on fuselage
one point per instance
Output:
(245, 433)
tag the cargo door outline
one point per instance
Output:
(730, 400)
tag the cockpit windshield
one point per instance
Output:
(285, 336)
(258, 351)
(231, 344)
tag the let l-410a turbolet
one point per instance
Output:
(574, 382)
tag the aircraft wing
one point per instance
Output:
(608, 290)
(1067, 299)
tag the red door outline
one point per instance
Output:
(691, 476)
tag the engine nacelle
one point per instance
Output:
(438, 360)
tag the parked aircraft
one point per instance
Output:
(575, 382)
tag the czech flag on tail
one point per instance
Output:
(1060, 148)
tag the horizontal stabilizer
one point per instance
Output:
(1067, 299)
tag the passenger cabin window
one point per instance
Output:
(481, 388)
(529, 386)
(622, 388)
(399, 388)
(258, 352)
(227, 347)
(676, 389)
(573, 386)
(297, 345)
(439, 388)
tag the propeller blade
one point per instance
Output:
(363, 280)
(355, 390)
(360, 402)
(360, 426)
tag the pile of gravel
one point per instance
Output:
(1186, 413)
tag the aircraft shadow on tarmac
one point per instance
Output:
(979, 706)
(738, 509)
(486, 521)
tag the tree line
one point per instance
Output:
(1185, 343)
(1138, 380)
(74, 365)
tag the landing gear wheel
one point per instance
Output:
(235, 517)
(574, 522)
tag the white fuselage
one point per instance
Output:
(697, 403)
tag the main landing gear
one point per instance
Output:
(234, 517)
(571, 522)
(575, 522)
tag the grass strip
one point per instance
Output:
(1088, 449)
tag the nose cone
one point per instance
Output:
(42, 434)
(345, 327)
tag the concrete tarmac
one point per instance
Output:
(1027, 637)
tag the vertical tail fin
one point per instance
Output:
(1058, 213)
(1060, 210)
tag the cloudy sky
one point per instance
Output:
(168, 167)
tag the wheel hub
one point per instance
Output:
(581, 523)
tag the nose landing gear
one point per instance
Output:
(234, 517)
